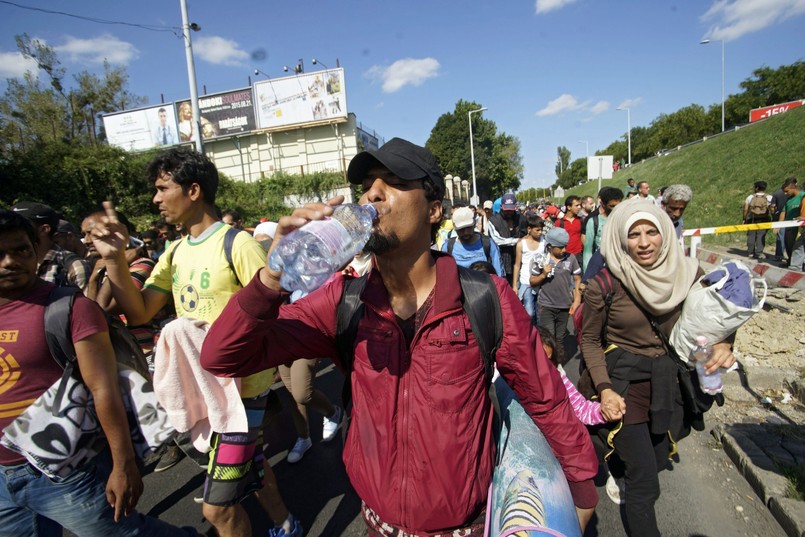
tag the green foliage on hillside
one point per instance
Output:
(722, 170)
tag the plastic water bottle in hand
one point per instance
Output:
(710, 384)
(312, 253)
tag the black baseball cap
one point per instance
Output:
(404, 159)
(37, 213)
(66, 227)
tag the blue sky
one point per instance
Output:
(551, 72)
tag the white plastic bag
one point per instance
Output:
(707, 313)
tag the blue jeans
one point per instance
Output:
(528, 297)
(31, 505)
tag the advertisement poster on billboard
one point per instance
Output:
(303, 98)
(145, 128)
(222, 114)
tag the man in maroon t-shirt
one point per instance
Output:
(99, 497)
(572, 224)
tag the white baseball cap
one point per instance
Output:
(463, 217)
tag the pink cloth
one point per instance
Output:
(588, 412)
(196, 401)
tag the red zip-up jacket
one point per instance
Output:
(420, 450)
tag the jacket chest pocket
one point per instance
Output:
(454, 368)
(374, 365)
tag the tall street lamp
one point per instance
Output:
(587, 147)
(628, 130)
(475, 199)
(705, 42)
(191, 72)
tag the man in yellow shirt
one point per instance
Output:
(198, 274)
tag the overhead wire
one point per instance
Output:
(150, 27)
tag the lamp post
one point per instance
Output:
(628, 130)
(319, 62)
(586, 147)
(474, 200)
(191, 72)
(299, 68)
(705, 42)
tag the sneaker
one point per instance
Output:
(299, 449)
(170, 458)
(616, 490)
(331, 425)
(198, 499)
(296, 530)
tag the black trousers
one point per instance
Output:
(643, 455)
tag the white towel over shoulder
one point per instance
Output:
(196, 400)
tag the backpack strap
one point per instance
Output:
(606, 282)
(485, 242)
(229, 242)
(482, 306)
(595, 216)
(58, 334)
(451, 242)
(348, 316)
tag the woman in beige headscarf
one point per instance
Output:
(627, 361)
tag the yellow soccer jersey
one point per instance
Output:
(201, 281)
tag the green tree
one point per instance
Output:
(33, 112)
(562, 161)
(498, 164)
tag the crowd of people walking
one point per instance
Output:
(419, 448)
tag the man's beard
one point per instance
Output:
(380, 244)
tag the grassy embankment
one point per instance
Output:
(721, 171)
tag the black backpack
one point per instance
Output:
(594, 217)
(58, 314)
(481, 304)
(485, 242)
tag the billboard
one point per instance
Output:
(369, 141)
(144, 128)
(767, 111)
(222, 114)
(304, 98)
(599, 167)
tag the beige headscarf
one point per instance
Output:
(664, 285)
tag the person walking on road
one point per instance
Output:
(758, 208)
(201, 279)
(420, 448)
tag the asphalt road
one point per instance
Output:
(704, 495)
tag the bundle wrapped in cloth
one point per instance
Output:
(717, 305)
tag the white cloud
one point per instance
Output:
(14, 65)
(631, 103)
(732, 19)
(408, 71)
(544, 6)
(600, 107)
(97, 49)
(563, 103)
(220, 51)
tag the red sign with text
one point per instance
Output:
(767, 111)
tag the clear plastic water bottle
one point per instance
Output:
(312, 253)
(710, 384)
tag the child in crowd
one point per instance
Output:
(588, 412)
(528, 247)
(558, 276)
(483, 266)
